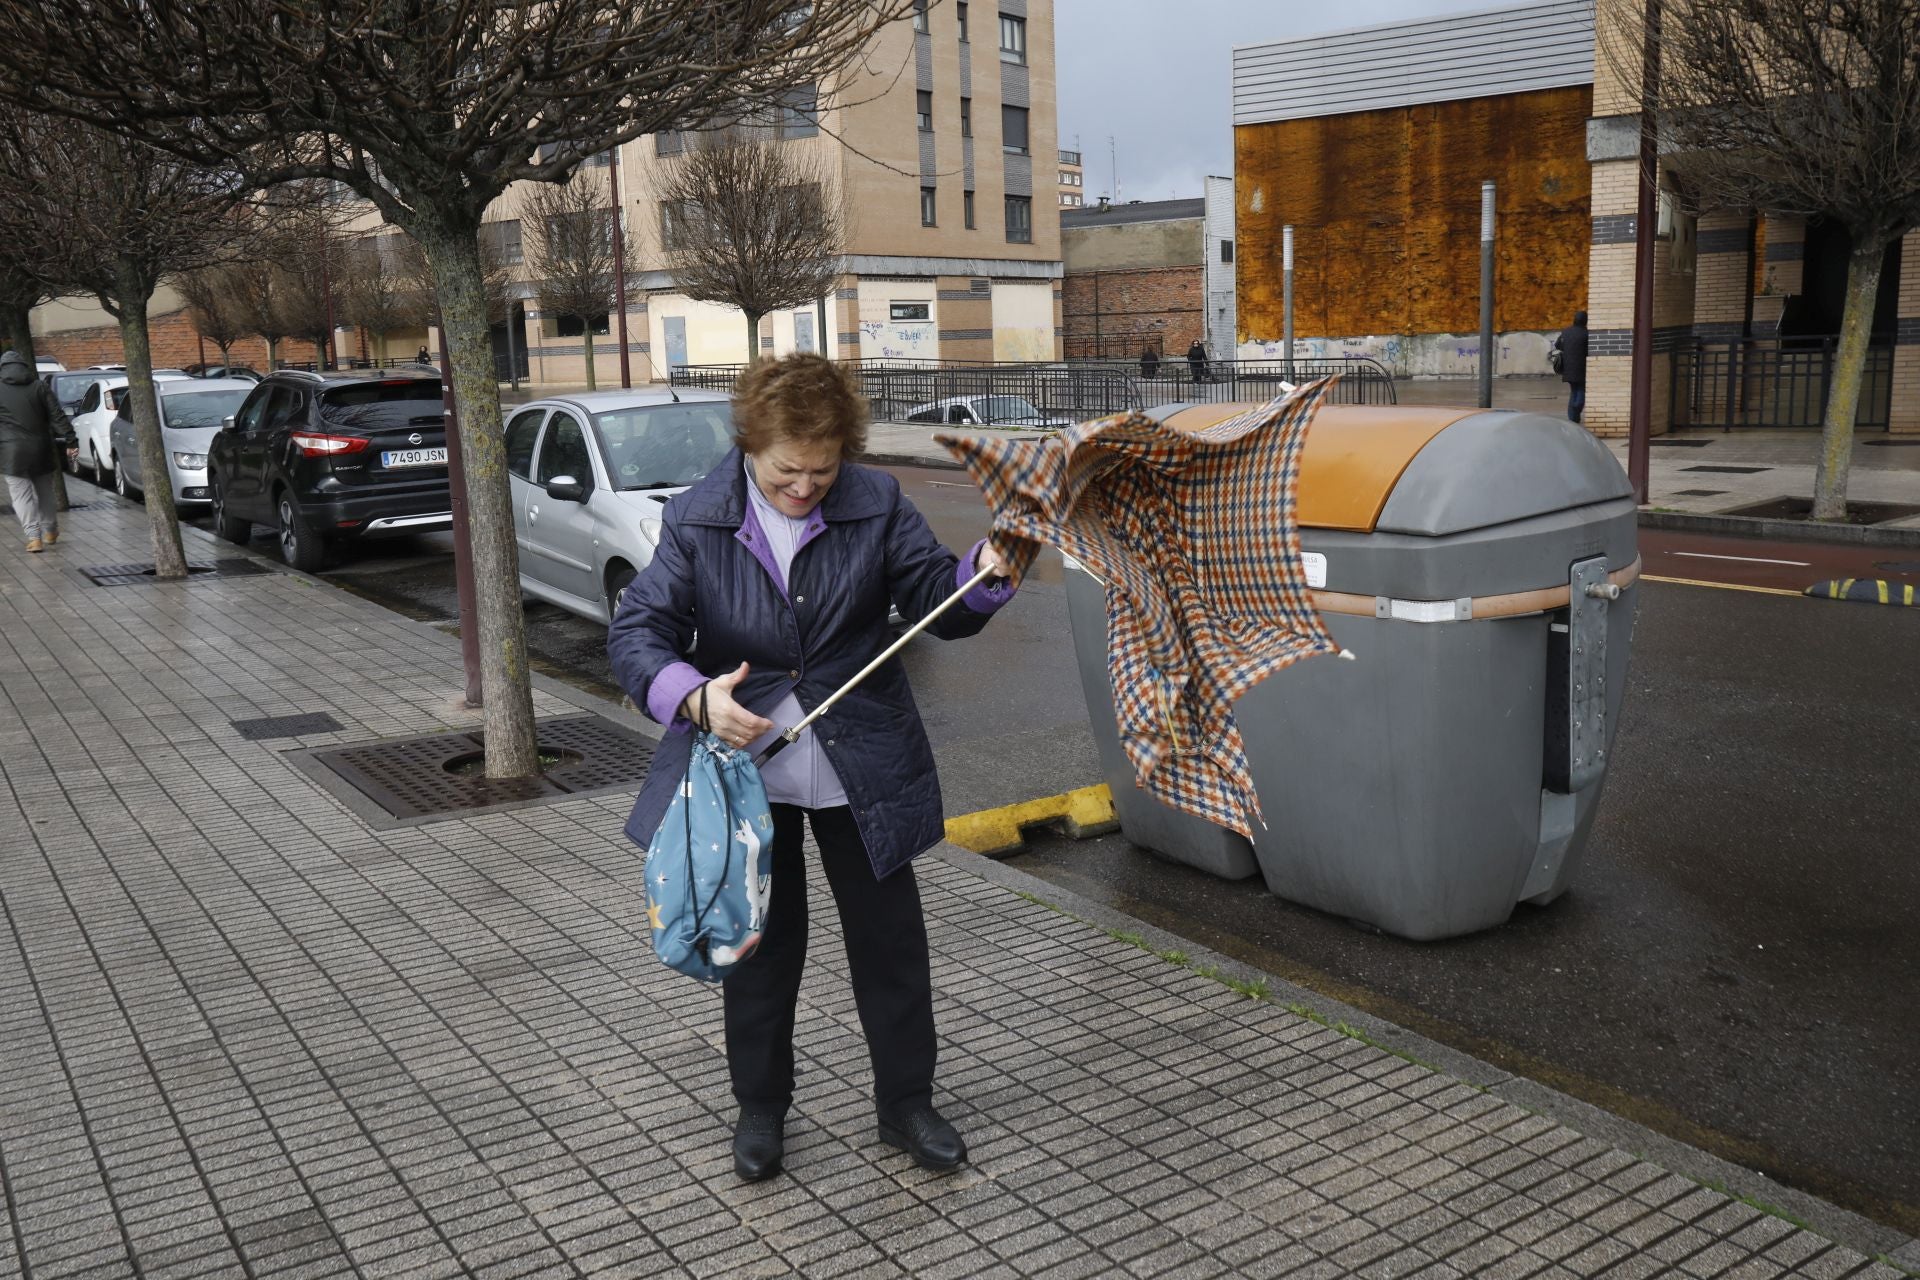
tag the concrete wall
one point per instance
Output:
(1129, 246)
(1023, 320)
(1422, 355)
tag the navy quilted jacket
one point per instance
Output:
(876, 551)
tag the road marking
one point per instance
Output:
(1086, 812)
(1724, 586)
(1707, 555)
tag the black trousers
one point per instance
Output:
(886, 938)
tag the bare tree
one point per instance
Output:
(752, 224)
(431, 112)
(375, 294)
(121, 217)
(257, 292)
(1808, 110)
(217, 304)
(570, 251)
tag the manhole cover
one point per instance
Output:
(1698, 493)
(1729, 471)
(286, 726)
(126, 575)
(410, 778)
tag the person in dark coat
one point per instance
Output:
(423, 357)
(1573, 364)
(1197, 361)
(33, 429)
(786, 557)
(1149, 362)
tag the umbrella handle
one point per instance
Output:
(792, 735)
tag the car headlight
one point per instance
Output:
(650, 530)
(190, 461)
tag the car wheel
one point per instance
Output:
(227, 526)
(99, 467)
(617, 584)
(300, 546)
(120, 485)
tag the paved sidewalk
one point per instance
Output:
(243, 1034)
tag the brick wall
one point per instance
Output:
(1610, 271)
(1167, 303)
(175, 342)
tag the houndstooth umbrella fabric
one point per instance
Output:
(1194, 535)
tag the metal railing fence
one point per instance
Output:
(1772, 383)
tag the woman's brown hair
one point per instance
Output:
(801, 397)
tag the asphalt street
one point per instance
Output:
(1735, 965)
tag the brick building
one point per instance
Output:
(77, 333)
(1148, 275)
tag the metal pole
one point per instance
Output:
(1486, 295)
(513, 350)
(619, 267)
(826, 348)
(1286, 275)
(462, 532)
(1640, 403)
(326, 290)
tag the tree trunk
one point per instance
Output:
(587, 330)
(19, 321)
(169, 560)
(753, 339)
(273, 353)
(505, 681)
(1843, 394)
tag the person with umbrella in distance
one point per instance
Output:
(769, 589)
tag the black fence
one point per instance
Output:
(1049, 395)
(1772, 383)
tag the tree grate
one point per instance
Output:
(1730, 471)
(127, 575)
(286, 726)
(1892, 444)
(1699, 493)
(411, 778)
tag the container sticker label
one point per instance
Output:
(1316, 566)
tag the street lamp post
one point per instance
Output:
(619, 266)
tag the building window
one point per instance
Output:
(909, 311)
(966, 206)
(1070, 157)
(1226, 251)
(1068, 178)
(798, 113)
(1069, 201)
(669, 142)
(504, 240)
(926, 206)
(1019, 220)
(919, 15)
(923, 109)
(962, 10)
(1013, 39)
(966, 117)
(1013, 130)
(673, 222)
(574, 326)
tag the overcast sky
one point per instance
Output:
(1157, 76)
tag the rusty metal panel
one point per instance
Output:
(1386, 215)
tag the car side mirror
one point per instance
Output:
(566, 489)
(226, 423)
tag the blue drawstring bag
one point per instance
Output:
(709, 867)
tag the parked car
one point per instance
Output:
(223, 371)
(191, 412)
(47, 364)
(590, 475)
(93, 419)
(69, 388)
(327, 456)
(998, 411)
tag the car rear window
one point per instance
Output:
(380, 405)
(201, 408)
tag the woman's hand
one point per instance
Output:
(727, 720)
(990, 559)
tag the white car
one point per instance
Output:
(93, 420)
(997, 411)
(191, 413)
(590, 475)
(47, 364)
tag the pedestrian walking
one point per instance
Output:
(1197, 361)
(1149, 362)
(787, 557)
(33, 429)
(1572, 345)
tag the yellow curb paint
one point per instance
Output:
(1085, 812)
(1724, 586)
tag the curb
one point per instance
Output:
(1858, 535)
(1842, 1226)
(938, 463)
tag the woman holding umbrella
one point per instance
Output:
(781, 565)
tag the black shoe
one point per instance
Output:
(759, 1142)
(922, 1134)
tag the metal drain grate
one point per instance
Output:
(409, 778)
(286, 726)
(1698, 493)
(1891, 444)
(127, 575)
(1729, 471)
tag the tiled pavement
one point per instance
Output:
(243, 1035)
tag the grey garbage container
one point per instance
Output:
(1481, 565)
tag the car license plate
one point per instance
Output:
(414, 458)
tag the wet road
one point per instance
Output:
(1736, 964)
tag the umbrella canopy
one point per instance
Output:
(1194, 535)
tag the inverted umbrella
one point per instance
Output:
(1195, 537)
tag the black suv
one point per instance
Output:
(323, 456)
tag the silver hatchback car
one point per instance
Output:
(590, 476)
(191, 411)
